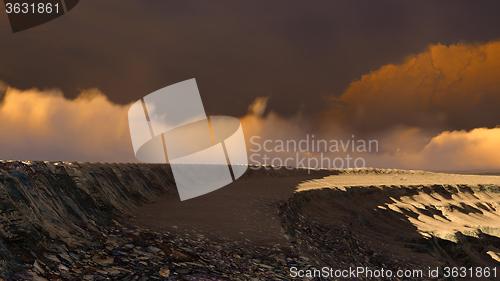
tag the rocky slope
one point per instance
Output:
(397, 219)
(71, 221)
(50, 204)
(79, 221)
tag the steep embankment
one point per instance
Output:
(71, 221)
(397, 219)
(43, 202)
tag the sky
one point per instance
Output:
(420, 76)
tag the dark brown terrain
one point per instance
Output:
(74, 221)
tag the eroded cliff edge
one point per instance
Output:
(397, 219)
(43, 202)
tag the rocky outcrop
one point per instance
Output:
(396, 227)
(42, 202)
(71, 221)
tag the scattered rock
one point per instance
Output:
(38, 268)
(61, 267)
(103, 260)
(164, 272)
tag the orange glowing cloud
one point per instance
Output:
(461, 150)
(436, 110)
(445, 87)
(432, 111)
(44, 125)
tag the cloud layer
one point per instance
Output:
(43, 125)
(446, 87)
(463, 150)
(436, 110)
(234, 48)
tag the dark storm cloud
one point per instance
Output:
(446, 87)
(295, 52)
